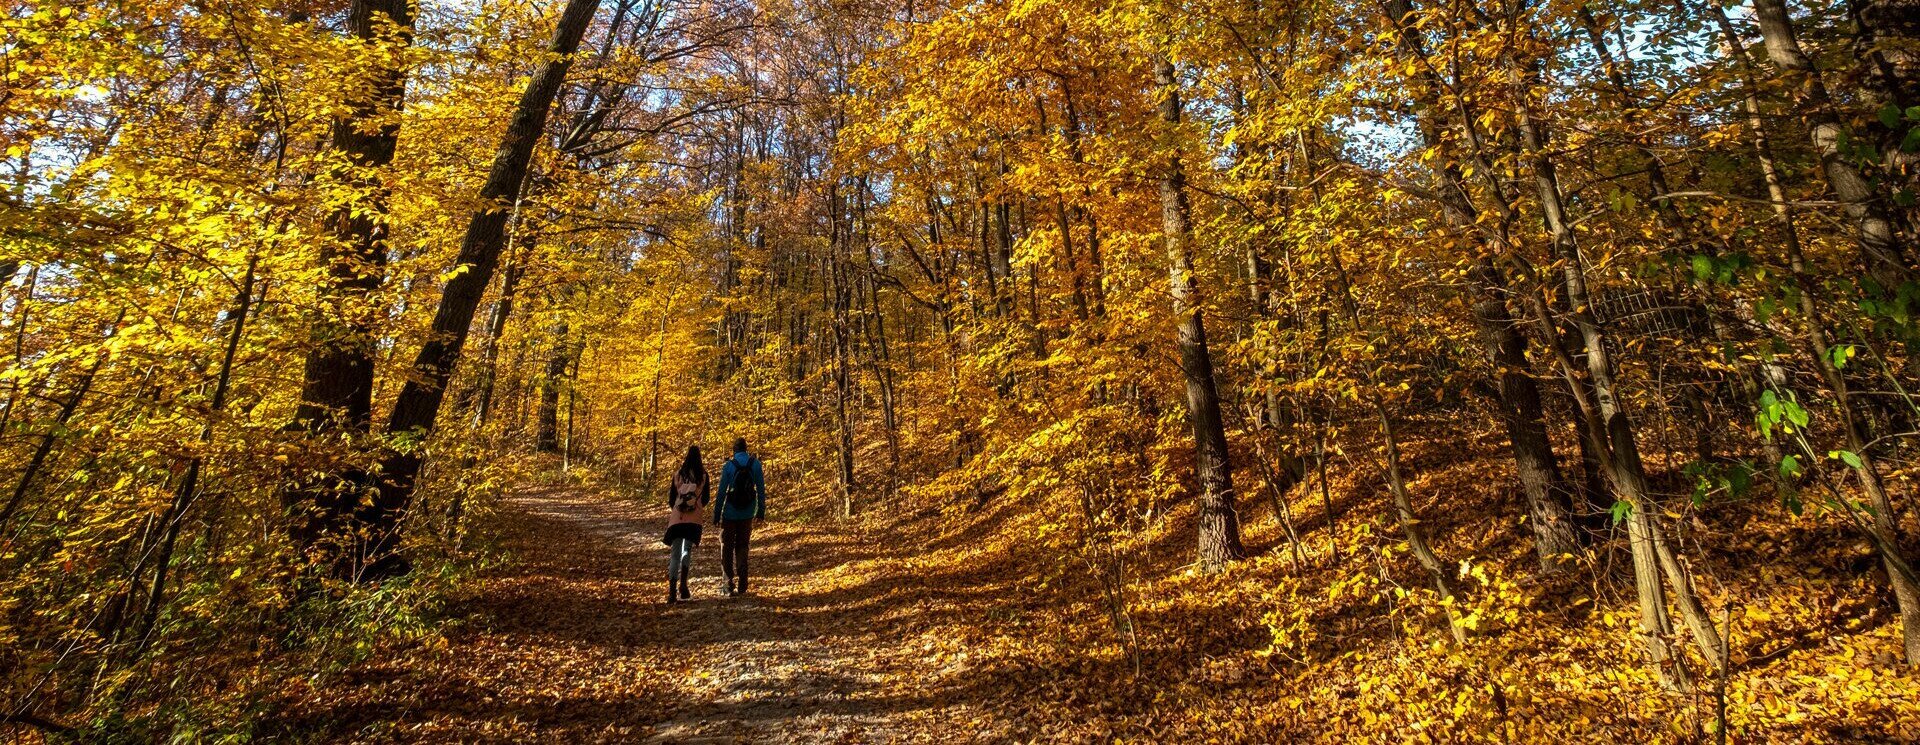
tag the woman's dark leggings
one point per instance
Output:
(734, 535)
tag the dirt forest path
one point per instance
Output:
(572, 641)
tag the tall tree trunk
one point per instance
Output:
(418, 405)
(1219, 524)
(546, 423)
(1627, 471)
(1547, 492)
(1884, 529)
(653, 413)
(1882, 254)
(840, 297)
(1549, 509)
(336, 389)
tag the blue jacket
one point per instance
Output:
(741, 465)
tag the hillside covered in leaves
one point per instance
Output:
(1160, 370)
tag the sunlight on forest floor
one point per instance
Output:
(935, 626)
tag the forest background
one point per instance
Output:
(1494, 369)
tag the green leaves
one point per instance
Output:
(1790, 466)
(1733, 479)
(1839, 354)
(1894, 119)
(1848, 457)
(1891, 115)
(1785, 413)
(1724, 269)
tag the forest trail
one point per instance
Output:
(572, 641)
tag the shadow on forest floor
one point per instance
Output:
(573, 641)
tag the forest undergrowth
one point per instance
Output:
(982, 618)
(1336, 646)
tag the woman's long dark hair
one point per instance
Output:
(691, 469)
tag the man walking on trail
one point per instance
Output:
(741, 507)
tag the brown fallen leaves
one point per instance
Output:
(982, 625)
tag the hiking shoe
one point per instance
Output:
(684, 594)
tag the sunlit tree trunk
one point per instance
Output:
(1219, 524)
(1628, 475)
(1883, 255)
(546, 423)
(1547, 494)
(1884, 527)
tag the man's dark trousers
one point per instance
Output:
(734, 535)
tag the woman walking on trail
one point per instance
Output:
(687, 498)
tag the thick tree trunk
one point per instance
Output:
(1219, 540)
(336, 389)
(417, 408)
(1549, 508)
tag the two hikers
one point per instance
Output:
(741, 507)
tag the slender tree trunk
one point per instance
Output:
(1547, 492)
(659, 372)
(1402, 502)
(44, 448)
(1884, 528)
(188, 488)
(1629, 475)
(489, 372)
(841, 299)
(546, 422)
(1882, 253)
(1219, 524)
(23, 302)
(1607, 427)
